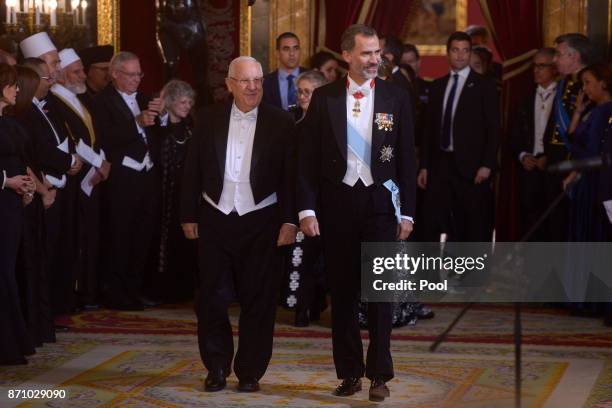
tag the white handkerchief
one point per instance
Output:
(608, 206)
(63, 146)
(86, 183)
(88, 154)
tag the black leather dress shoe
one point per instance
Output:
(215, 381)
(424, 312)
(349, 386)
(61, 329)
(148, 302)
(248, 385)
(378, 390)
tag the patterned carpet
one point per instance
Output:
(150, 359)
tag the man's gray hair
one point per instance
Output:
(316, 77)
(175, 89)
(120, 58)
(347, 42)
(546, 52)
(243, 58)
(579, 43)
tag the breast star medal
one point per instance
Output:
(384, 121)
(386, 154)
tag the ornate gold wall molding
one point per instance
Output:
(109, 23)
(245, 27)
(563, 16)
(294, 16)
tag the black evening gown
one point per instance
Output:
(177, 267)
(14, 339)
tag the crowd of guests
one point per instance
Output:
(91, 171)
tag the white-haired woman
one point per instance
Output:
(177, 256)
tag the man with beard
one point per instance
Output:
(96, 62)
(64, 101)
(356, 151)
(279, 86)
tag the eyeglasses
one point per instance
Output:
(304, 92)
(246, 82)
(132, 74)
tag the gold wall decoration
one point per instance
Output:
(562, 16)
(429, 30)
(294, 16)
(245, 27)
(109, 23)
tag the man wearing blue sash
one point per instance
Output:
(572, 54)
(356, 166)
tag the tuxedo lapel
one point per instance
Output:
(471, 83)
(336, 104)
(259, 137)
(220, 131)
(383, 105)
(118, 101)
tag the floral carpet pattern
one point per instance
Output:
(150, 359)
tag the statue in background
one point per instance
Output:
(181, 31)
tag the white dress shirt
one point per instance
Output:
(237, 194)
(542, 108)
(461, 78)
(356, 169)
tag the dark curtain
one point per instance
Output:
(389, 16)
(386, 16)
(516, 26)
(338, 16)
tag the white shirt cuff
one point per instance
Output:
(521, 155)
(306, 213)
(608, 206)
(163, 120)
(405, 217)
(3, 179)
(72, 160)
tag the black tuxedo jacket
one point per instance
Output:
(271, 88)
(116, 131)
(476, 125)
(50, 159)
(77, 128)
(272, 160)
(322, 152)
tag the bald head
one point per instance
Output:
(244, 80)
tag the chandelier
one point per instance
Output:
(31, 16)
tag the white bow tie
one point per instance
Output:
(40, 104)
(237, 115)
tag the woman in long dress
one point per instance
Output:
(17, 191)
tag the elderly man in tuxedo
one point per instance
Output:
(239, 200)
(125, 123)
(356, 151)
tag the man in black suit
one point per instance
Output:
(571, 57)
(460, 150)
(279, 87)
(65, 102)
(356, 149)
(54, 150)
(125, 123)
(527, 142)
(238, 192)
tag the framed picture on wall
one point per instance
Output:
(430, 22)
